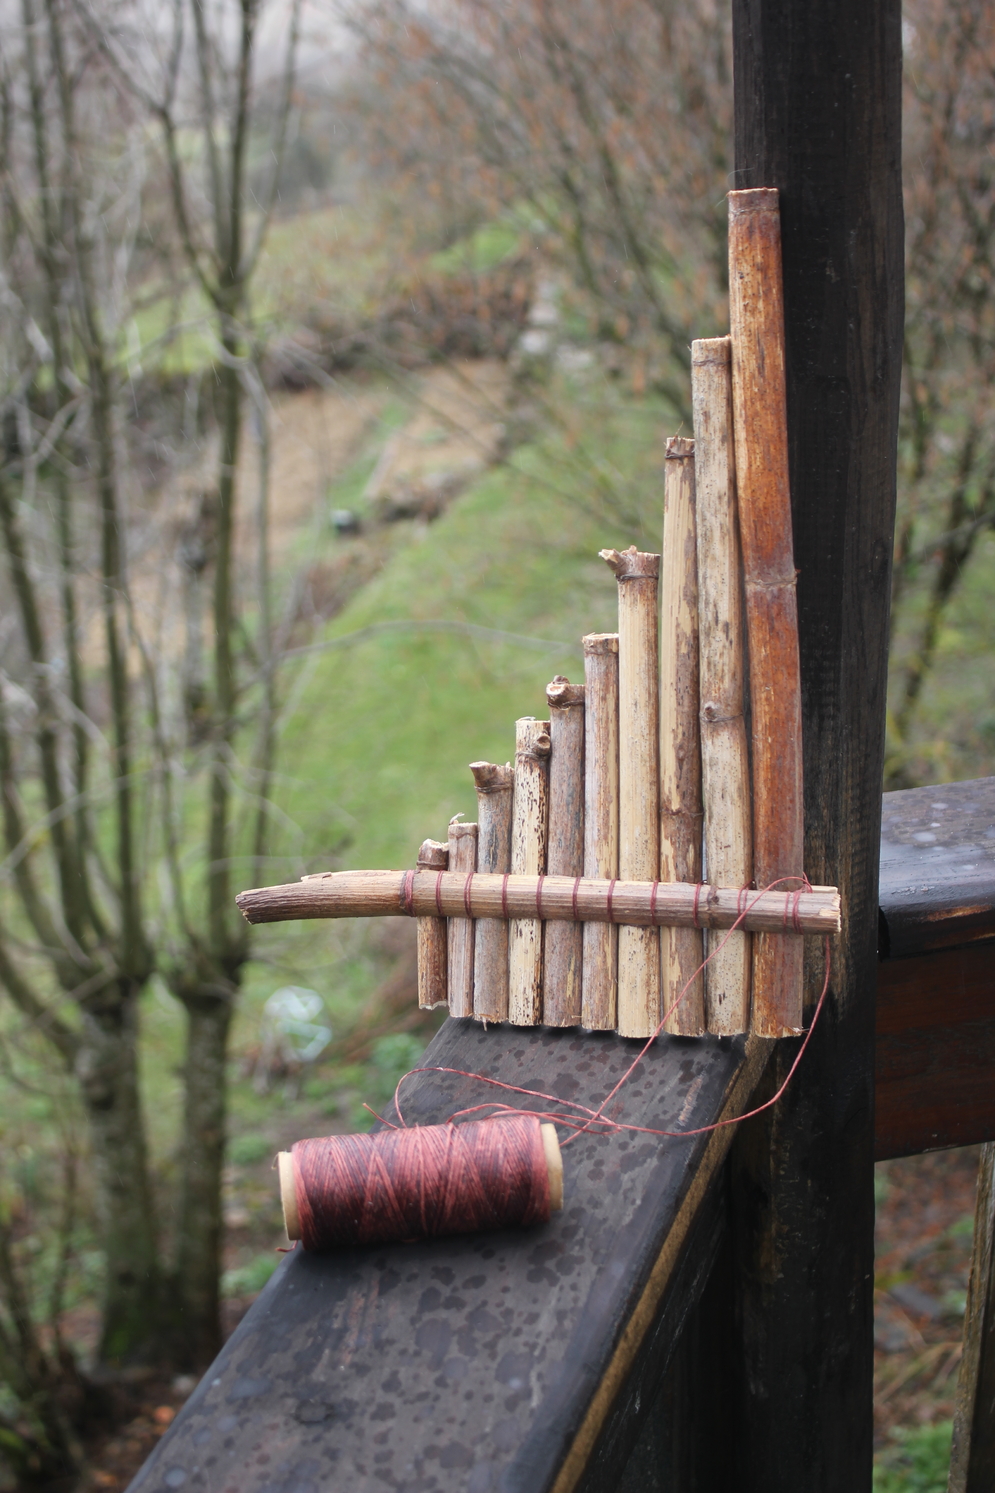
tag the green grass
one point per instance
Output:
(916, 1461)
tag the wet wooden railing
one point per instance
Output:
(520, 1363)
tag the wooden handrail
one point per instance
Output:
(528, 1361)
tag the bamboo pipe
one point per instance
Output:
(599, 970)
(490, 946)
(528, 857)
(563, 943)
(644, 904)
(725, 768)
(756, 311)
(681, 949)
(638, 778)
(462, 858)
(432, 936)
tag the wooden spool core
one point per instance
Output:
(288, 1187)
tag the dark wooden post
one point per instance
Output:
(818, 115)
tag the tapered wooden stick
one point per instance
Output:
(644, 904)
(563, 943)
(638, 778)
(490, 945)
(462, 857)
(528, 857)
(600, 964)
(756, 309)
(724, 757)
(433, 988)
(681, 949)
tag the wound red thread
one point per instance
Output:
(611, 891)
(504, 895)
(421, 1182)
(656, 888)
(438, 894)
(539, 896)
(573, 899)
(408, 893)
(466, 894)
(694, 914)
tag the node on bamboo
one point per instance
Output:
(725, 770)
(432, 937)
(681, 949)
(599, 973)
(490, 949)
(564, 942)
(638, 778)
(528, 857)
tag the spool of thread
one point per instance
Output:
(421, 1182)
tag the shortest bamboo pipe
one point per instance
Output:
(583, 899)
(462, 857)
(432, 983)
(490, 946)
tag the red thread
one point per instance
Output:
(504, 896)
(539, 896)
(656, 888)
(796, 921)
(573, 900)
(438, 894)
(611, 889)
(466, 894)
(697, 894)
(408, 893)
(421, 1182)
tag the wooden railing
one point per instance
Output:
(546, 1360)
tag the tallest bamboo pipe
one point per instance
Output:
(756, 312)
(584, 899)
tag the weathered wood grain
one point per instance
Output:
(756, 314)
(681, 949)
(638, 575)
(972, 1455)
(817, 93)
(462, 860)
(528, 857)
(432, 937)
(725, 768)
(495, 785)
(563, 949)
(599, 1002)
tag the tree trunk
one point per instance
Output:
(198, 1254)
(107, 1070)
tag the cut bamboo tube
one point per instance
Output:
(528, 858)
(681, 949)
(756, 309)
(725, 769)
(599, 972)
(638, 778)
(563, 943)
(432, 936)
(462, 858)
(644, 904)
(490, 945)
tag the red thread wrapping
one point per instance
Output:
(466, 894)
(408, 893)
(422, 1182)
(611, 891)
(539, 896)
(656, 888)
(697, 894)
(504, 895)
(438, 894)
(573, 899)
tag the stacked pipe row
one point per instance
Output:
(643, 772)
